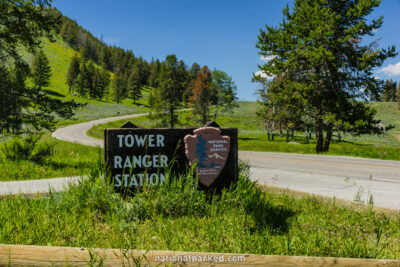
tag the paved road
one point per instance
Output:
(77, 133)
(341, 177)
(36, 186)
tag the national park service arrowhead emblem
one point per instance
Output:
(209, 151)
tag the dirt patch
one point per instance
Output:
(397, 136)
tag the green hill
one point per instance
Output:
(59, 54)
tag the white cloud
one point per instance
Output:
(377, 78)
(391, 70)
(266, 58)
(263, 75)
(374, 30)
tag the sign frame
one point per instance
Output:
(173, 140)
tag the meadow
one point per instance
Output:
(177, 216)
(253, 137)
(68, 159)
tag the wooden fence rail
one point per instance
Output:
(20, 255)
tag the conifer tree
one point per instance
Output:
(102, 83)
(89, 82)
(120, 87)
(167, 97)
(389, 91)
(202, 94)
(192, 74)
(41, 71)
(72, 74)
(135, 85)
(324, 66)
(154, 73)
(82, 80)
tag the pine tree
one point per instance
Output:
(167, 97)
(82, 80)
(105, 58)
(72, 74)
(120, 87)
(41, 71)
(202, 93)
(134, 85)
(102, 83)
(324, 67)
(193, 71)
(154, 73)
(389, 91)
(22, 24)
(90, 84)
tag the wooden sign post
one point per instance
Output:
(137, 157)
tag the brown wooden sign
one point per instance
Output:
(137, 157)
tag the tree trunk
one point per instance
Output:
(328, 138)
(340, 137)
(280, 129)
(310, 135)
(287, 134)
(268, 131)
(216, 113)
(293, 134)
(171, 117)
(306, 134)
(319, 135)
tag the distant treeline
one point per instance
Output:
(171, 80)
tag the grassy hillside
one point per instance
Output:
(59, 55)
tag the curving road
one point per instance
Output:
(341, 177)
(77, 133)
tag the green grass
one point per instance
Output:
(69, 159)
(59, 55)
(253, 137)
(177, 216)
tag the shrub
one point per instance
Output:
(27, 148)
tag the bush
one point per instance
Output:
(27, 148)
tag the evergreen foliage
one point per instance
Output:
(135, 84)
(72, 74)
(20, 105)
(41, 71)
(120, 87)
(322, 67)
(389, 91)
(167, 97)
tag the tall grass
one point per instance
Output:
(67, 159)
(177, 216)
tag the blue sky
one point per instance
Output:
(218, 33)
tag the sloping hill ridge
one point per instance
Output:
(59, 54)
